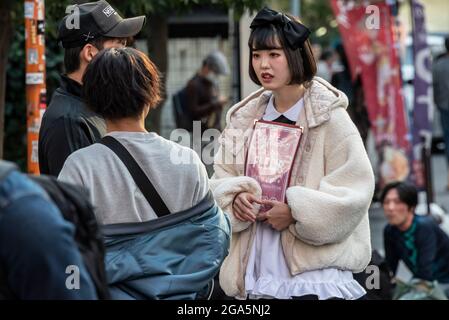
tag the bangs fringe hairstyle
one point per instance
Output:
(120, 83)
(301, 62)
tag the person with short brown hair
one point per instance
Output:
(124, 102)
(123, 86)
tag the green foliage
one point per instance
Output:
(15, 111)
(315, 14)
(181, 6)
(54, 11)
(318, 14)
(164, 7)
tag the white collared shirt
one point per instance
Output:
(267, 274)
(291, 114)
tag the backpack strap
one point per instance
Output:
(139, 176)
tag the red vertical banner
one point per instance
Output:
(35, 77)
(369, 40)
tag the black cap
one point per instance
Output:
(96, 19)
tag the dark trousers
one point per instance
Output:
(444, 114)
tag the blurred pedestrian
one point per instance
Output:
(317, 50)
(441, 95)
(67, 125)
(203, 99)
(353, 90)
(308, 247)
(341, 79)
(326, 65)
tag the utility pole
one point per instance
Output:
(35, 77)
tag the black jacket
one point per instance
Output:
(67, 125)
(203, 101)
(424, 248)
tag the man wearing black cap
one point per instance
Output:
(67, 125)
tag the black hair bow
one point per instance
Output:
(294, 32)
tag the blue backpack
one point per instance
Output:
(175, 256)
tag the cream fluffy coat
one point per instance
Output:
(330, 190)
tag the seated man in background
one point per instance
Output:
(416, 240)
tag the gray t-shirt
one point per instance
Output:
(115, 196)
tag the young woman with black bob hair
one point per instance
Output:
(309, 246)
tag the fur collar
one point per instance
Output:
(320, 99)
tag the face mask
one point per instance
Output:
(212, 77)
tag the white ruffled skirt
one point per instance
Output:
(267, 275)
